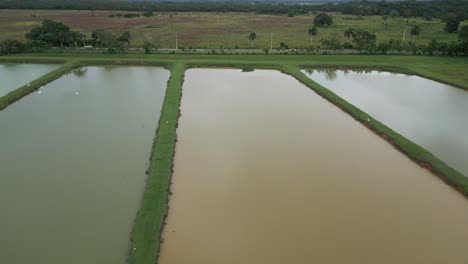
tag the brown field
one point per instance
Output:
(213, 30)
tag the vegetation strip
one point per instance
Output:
(34, 85)
(149, 222)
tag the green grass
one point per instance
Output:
(145, 239)
(146, 235)
(213, 30)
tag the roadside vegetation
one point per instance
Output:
(155, 30)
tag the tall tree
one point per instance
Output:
(312, 32)
(125, 38)
(365, 40)
(349, 33)
(415, 31)
(463, 38)
(252, 37)
(53, 33)
(331, 43)
(452, 25)
(322, 20)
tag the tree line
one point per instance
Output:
(366, 41)
(409, 8)
(55, 34)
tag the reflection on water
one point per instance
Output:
(266, 171)
(73, 157)
(80, 72)
(431, 114)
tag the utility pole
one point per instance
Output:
(404, 34)
(176, 45)
(271, 41)
(83, 35)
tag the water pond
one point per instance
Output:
(267, 171)
(431, 114)
(73, 158)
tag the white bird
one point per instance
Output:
(368, 120)
(39, 92)
(76, 92)
(29, 84)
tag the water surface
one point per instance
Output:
(73, 158)
(13, 75)
(431, 114)
(268, 172)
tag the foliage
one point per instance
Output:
(148, 46)
(124, 38)
(104, 38)
(322, 20)
(349, 33)
(131, 15)
(415, 30)
(463, 33)
(312, 32)
(463, 39)
(11, 47)
(364, 40)
(452, 25)
(283, 46)
(148, 13)
(252, 37)
(331, 43)
(55, 34)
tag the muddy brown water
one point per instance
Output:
(266, 171)
(73, 158)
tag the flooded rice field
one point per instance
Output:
(73, 158)
(266, 171)
(431, 114)
(14, 75)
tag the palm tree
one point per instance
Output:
(252, 37)
(312, 32)
(349, 33)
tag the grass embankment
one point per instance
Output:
(449, 70)
(149, 222)
(146, 235)
(34, 85)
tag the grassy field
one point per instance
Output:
(215, 30)
(145, 239)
